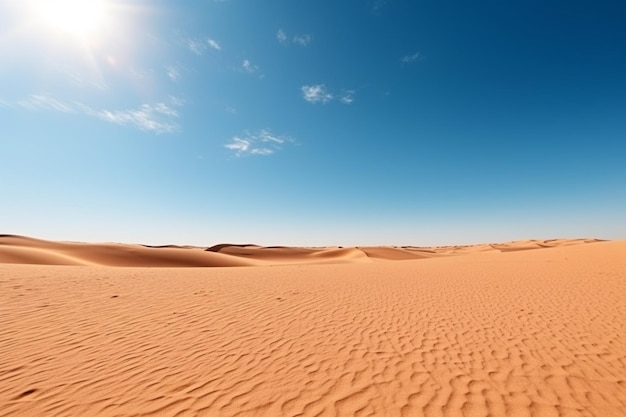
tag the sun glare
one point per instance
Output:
(77, 18)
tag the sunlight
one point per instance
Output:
(77, 18)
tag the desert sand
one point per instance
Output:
(527, 328)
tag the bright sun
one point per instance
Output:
(77, 18)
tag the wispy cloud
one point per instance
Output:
(173, 72)
(412, 57)
(347, 97)
(196, 46)
(159, 117)
(301, 40)
(199, 46)
(42, 102)
(249, 67)
(316, 93)
(262, 142)
(213, 44)
(281, 36)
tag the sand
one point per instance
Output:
(531, 328)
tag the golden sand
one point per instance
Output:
(485, 330)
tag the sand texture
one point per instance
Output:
(485, 330)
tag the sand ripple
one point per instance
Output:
(523, 333)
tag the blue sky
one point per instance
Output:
(312, 122)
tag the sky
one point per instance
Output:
(312, 122)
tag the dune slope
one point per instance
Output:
(520, 333)
(26, 250)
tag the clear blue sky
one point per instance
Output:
(312, 122)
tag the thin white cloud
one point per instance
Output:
(173, 72)
(268, 137)
(175, 101)
(281, 36)
(213, 44)
(316, 93)
(411, 57)
(196, 46)
(301, 40)
(153, 118)
(42, 102)
(262, 142)
(347, 97)
(160, 117)
(199, 46)
(249, 66)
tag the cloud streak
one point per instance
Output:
(347, 97)
(262, 142)
(407, 59)
(173, 72)
(300, 40)
(161, 117)
(42, 102)
(213, 44)
(199, 46)
(318, 93)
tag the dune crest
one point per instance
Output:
(25, 250)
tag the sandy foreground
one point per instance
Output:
(531, 328)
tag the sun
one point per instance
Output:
(77, 18)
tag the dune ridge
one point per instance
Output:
(536, 333)
(26, 250)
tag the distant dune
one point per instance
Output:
(533, 328)
(26, 250)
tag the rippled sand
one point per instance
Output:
(490, 332)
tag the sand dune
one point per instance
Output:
(25, 250)
(488, 333)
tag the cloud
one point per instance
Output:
(319, 94)
(41, 102)
(199, 46)
(195, 46)
(173, 72)
(262, 142)
(412, 57)
(160, 117)
(249, 66)
(281, 36)
(347, 97)
(301, 40)
(213, 44)
(157, 118)
(316, 93)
